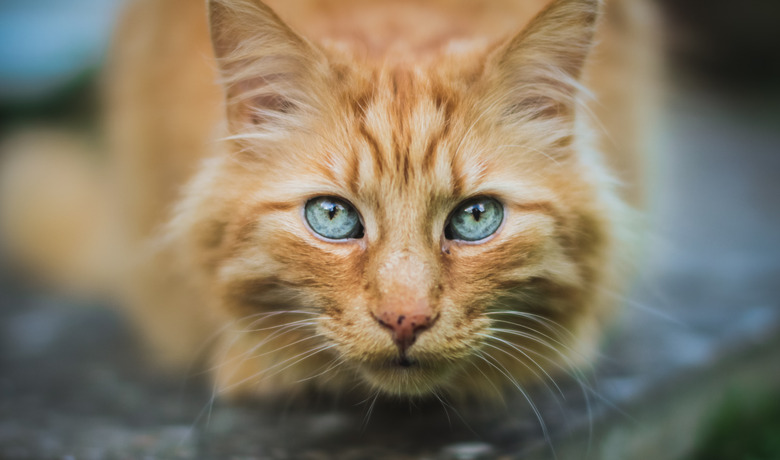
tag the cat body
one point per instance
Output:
(227, 122)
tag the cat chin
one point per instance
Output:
(406, 377)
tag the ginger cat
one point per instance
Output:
(403, 196)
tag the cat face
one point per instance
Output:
(415, 226)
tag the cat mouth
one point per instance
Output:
(404, 361)
(398, 363)
(404, 375)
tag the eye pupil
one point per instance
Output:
(476, 211)
(332, 211)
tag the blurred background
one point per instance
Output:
(694, 362)
(50, 51)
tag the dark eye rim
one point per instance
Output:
(358, 236)
(447, 232)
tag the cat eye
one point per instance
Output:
(333, 218)
(475, 219)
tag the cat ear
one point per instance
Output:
(536, 74)
(268, 70)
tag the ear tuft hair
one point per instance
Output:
(538, 71)
(267, 69)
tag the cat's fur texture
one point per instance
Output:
(225, 120)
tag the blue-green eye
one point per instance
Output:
(333, 218)
(475, 219)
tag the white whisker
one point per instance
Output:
(544, 321)
(309, 354)
(520, 350)
(247, 354)
(535, 339)
(333, 364)
(527, 327)
(522, 391)
(370, 411)
(489, 380)
(263, 372)
(316, 336)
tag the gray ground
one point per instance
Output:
(704, 320)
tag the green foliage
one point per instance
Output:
(745, 427)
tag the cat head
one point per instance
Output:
(417, 226)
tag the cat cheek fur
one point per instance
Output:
(405, 144)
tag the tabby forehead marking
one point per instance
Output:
(376, 151)
(406, 141)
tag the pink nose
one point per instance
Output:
(406, 325)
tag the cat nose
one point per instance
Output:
(406, 324)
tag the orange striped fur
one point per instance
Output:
(404, 109)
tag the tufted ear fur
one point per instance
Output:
(535, 75)
(270, 73)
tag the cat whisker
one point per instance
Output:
(549, 324)
(220, 362)
(502, 370)
(286, 346)
(579, 377)
(209, 341)
(521, 351)
(471, 376)
(258, 318)
(249, 327)
(208, 407)
(612, 405)
(647, 309)
(263, 373)
(247, 354)
(205, 410)
(367, 398)
(281, 331)
(244, 356)
(332, 365)
(446, 404)
(370, 411)
(220, 331)
(529, 328)
(489, 380)
(340, 362)
(552, 325)
(443, 405)
(308, 354)
(535, 339)
(538, 337)
(551, 331)
(571, 369)
(538, 377)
